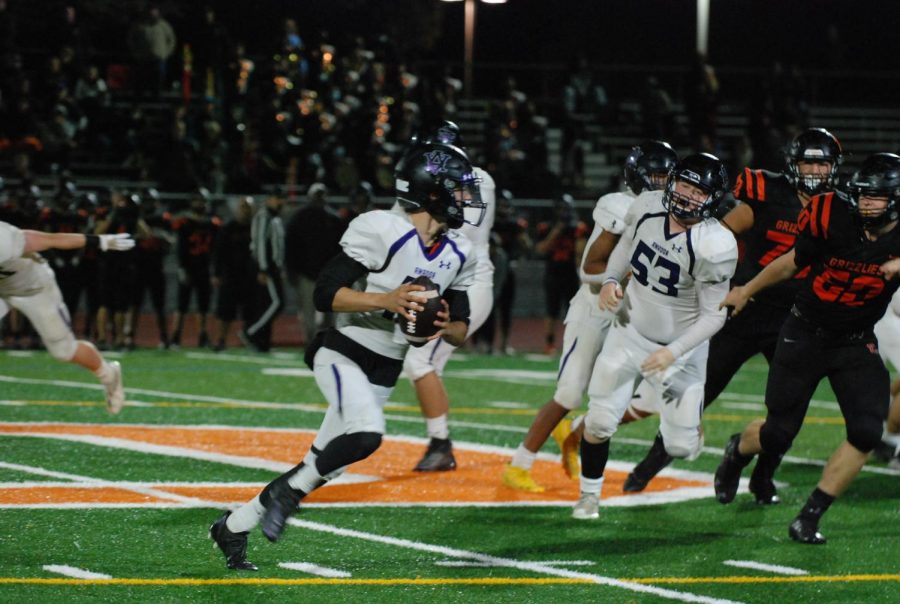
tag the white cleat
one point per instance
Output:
(587, 508)
(115, 391)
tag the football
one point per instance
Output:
(417, 332)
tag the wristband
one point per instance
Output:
(92, 242)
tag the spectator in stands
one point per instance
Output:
(312, 238)
(702, 98)
(360, 200)
(267, 249)
(562, 243)
(234, 272)
(584, 100)
(211, 45)
(657, 112)
(151, 41)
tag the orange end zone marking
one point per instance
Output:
(477, 478)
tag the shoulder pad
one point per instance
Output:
(610, 211)
(716, 252)
(12, 242)
(369, 236)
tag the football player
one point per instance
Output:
(681, 260)
(846, 240)
(766, 221)
(195, 237)
(887, 330)
(27, 283)
(357, 364)
(424, 365)
(646, 169)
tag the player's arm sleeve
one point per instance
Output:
(458, 301)
(711, 319)
(341, 271)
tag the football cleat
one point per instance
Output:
(764, 491)
(650, 466)
(283, 501)
(115, 391)
(806, 531)
(728, 474)
(233, 545)
(587, 508)
(571, 463)
(438, 457)
(521, 480)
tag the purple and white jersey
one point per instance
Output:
(19, 275)
(387, 244)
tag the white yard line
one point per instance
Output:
(315, 569)
(76, 573)
(238, 358)
(99, 482)
(533, 567)
(467, 564)
(770, 568)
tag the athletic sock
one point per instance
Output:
(306, 479)
(523, 458)
(246, 517)
(438, 427)
(591, 485)
(593, 458)
(105, 372)
(816, 505)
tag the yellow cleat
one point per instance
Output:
(521, 480)
(569, 447)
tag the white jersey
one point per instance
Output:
(19, 275)
(387, 244)
(609, 215)
(662, 300)
(480, 235)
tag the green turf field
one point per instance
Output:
(96, 508)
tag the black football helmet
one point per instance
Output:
(814, 144)
(879, 176)
(707, 173)
(447, 133)
(440, 180)
(648, 160)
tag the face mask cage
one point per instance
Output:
(871, 217)
(683, 207)
(466, 205)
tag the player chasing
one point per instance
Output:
(357, 364)
(646, 169)
(28, 284)
(851, 245)
(681, 260)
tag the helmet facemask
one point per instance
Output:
(689, 203)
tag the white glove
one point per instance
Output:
(119, 242)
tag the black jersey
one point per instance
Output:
(845, 290)
(775, 207)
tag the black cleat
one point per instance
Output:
(650, 466)
(283, 501)
(806, 531)
(438, 457)
(233, 545)
(728, 474)
(764, 491)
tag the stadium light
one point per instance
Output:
(469, 36)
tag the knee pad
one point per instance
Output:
(63, 349)
(347, 449)
(864, 433)
(774, 439)
(600, 423)
(417, 362)
(684, 443)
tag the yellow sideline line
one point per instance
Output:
(274, 581)
(793, 579)
(189, 582)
